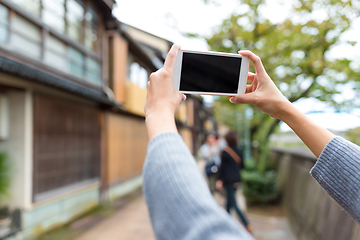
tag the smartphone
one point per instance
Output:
(210, 73)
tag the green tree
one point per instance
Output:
(353, 135)
(294, 53)
(5, 177)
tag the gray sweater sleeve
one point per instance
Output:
(338, 171)
(179, 202)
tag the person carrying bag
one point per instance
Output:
(229, 175)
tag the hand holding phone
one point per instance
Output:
(211, 73)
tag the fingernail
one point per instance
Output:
(183, 98)
(232, 100)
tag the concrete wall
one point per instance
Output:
(55, 213)
(313, 214)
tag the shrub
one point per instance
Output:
(259, 187)
(5, 176)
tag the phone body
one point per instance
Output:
(210, 73)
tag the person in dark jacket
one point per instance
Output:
(229, 175)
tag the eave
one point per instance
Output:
(34, 75)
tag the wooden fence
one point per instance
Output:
(313, 214)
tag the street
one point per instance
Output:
(131, 221)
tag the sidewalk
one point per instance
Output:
(129, 223)
(128, 219)
(132, 223)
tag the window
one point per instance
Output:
(81, 66)
(75, 15)
(138, 75)
(76, 61)
(4, 24)
(20, 34)
(26, 42)
(53, 14)
(68, 17)
(93, 71)
(56, 54)
(91, 31)
(32, 6)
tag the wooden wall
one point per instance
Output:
(126, 147)
(66, 144)
(313, 214)
(135, 99)
(187, 136)
(118, 65)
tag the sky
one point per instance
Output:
(169, 19)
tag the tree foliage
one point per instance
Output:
(5, 176)
(294, 53)
(353, 135)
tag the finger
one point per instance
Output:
(170, 58)
(153, 75)
(249, 88)
(255, 59)
(251, 76)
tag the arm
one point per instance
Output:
(338, 166)
(337, 171)
(264, 94)
(179, 202)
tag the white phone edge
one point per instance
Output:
(244, 69)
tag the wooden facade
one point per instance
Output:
(66, 145)
(75, 79)
(53, 72)
(126, 149)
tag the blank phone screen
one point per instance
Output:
(209, 73)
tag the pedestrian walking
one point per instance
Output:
(229, 175)
(210, 152)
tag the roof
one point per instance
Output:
(152, 47)
(109, 3)
(21, 70)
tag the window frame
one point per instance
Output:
(46, 30)
(6, 27)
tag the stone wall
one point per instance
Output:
(313, 214)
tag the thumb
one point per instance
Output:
(243, 98)
(183, 97)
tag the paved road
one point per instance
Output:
(131, 222)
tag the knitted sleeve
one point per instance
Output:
(178, 199)
(338, 171)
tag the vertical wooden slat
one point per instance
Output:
(127, 142)
(119, 58)
(66, 143)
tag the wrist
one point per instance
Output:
(160, 122)
(286, 111)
